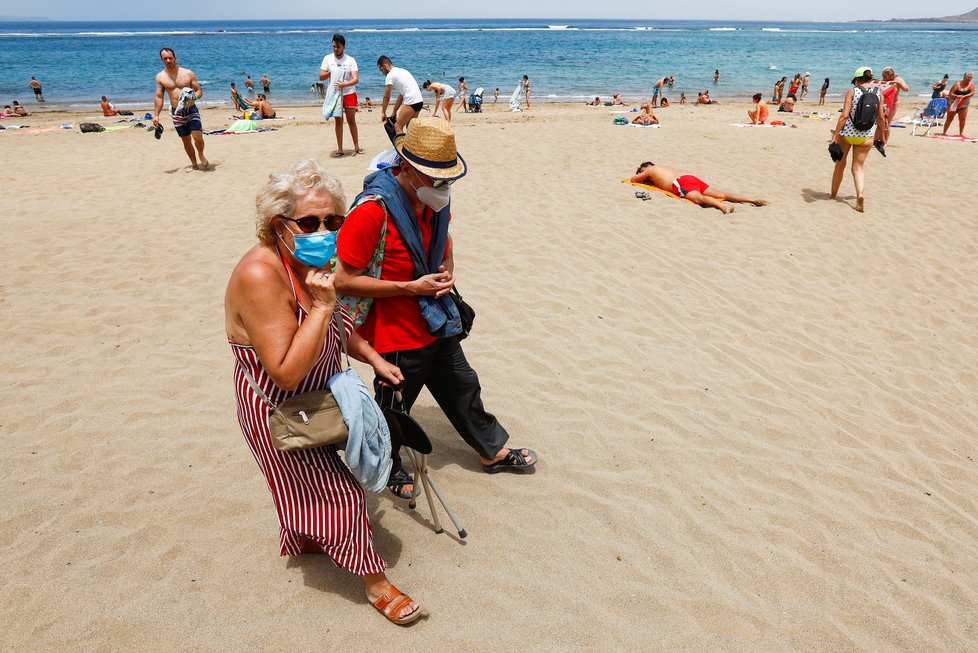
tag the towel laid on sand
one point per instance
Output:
(655, 188)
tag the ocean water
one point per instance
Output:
(566, 60)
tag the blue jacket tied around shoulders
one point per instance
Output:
(439, 314)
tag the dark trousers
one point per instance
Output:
(442, 368)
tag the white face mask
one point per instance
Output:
(434, 198)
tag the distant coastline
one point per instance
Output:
(970, 17)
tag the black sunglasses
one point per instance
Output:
(310, 223)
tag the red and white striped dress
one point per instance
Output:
(320, 505)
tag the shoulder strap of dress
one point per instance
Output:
(288, 268)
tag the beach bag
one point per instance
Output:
(307, 420)
(465, 312)
(359, 307)
(88, 127)
(864, 115)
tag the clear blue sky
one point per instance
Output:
(829, 10)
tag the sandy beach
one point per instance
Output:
(757, 431)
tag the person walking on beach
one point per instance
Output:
(804, 86)
(689, 187)
(823, 91)
(341, 69)
(526, 89)
(279, 320)
(463, 90)
(959, 98)
(183, 89)
(413, 323)
(265, 83)
(495, 96)
(36, 87)
(409, 100)
(856, 131)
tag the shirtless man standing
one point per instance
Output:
(689, 187)
(186, 118)
(657, 90)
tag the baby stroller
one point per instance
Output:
(930, 116)
(475, 100)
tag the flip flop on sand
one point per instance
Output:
(337, 154)
(514, 461)
(390, 605)
(359, 150)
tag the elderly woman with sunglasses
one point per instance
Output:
(279, 319)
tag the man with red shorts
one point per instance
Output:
(341, 69)
(413, 323)
(689, 187)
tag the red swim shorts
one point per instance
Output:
(688, 183)
(350, 101)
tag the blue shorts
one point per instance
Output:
(187, 121)
(655, 91)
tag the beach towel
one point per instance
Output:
(333, 104)
(635, 124)
(667, 193)
(959, 139)
(748, 124)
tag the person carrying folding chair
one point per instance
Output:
(395, 248)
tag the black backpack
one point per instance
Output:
(88, 127)
(864, 115)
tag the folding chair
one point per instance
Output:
(408, 434)
(930, 116)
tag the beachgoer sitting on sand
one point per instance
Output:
(108, 109)
(616, 100)
(7, 112)
(682, 98)
(595, 103)
(278, 314)
(689, 187)
(704, 98)
(664, 102)
(262, 106)
(645, 119)
(19, 110)
(788, 105)
(758, 116)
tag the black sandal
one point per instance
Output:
(514, 461)
(397, 482)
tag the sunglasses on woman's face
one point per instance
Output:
(310, 223)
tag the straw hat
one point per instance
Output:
(429, 146)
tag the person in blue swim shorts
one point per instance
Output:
(184, 90)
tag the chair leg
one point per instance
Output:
(423, 474)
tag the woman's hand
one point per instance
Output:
(390, 373)
(319, 283)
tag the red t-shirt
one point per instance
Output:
(394, 323)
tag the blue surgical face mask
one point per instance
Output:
(315, 249)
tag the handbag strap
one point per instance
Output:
(339, 323)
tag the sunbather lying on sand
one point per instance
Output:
(689, 187)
